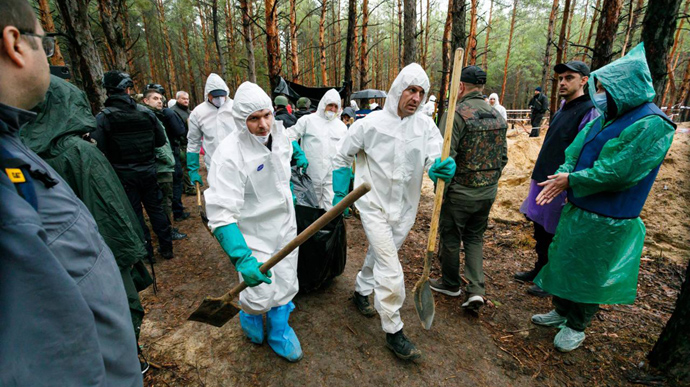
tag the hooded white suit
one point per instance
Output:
(250, 185)
(392, 155)
(499, 108)
(210, 122)
(319, 137)
(430, 107)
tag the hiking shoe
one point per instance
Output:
(401, 346)
(568, 339)
(474, 302)
(526, 276)
(363, 305)
(551, 319)
(176, 235)
(438, 286)
(182, 217)
(537, 291)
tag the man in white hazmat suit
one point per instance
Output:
(251, 213)
(430, 107)
(394, 147)
(496, 104)
(210, 120)
(319, 133)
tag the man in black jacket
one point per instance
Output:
(539, 106)
(181, 108)
(281, 112)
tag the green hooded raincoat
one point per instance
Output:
(596, 259)
(56, 136)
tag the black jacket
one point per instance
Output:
(539, 104)
(287, 118)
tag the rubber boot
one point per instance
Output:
(253, 327)
(281, 337)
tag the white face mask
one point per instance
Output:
(262, 139)
(218, 101)
(330, 115)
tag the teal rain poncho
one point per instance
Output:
(595, 259)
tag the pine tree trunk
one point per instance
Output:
(595, 14)
(628, 29)
(445, 54)
(410, 16)
(485, 58)
(510, 42)
(471, 55)
(115, 42)
(204, 36)
(582, 24)
(606, 33)
(248, 40)
(49, 26)
(335, 80)
(124, 19)
(363, 60)
(149, 50)
(230, 39)
(560, 57)
(294, 60)
(658, 27)
(349, 48)
(172, 76)
(684, 91)
(546, 67)
(426, 35)
(672, 350)
(673, 63)
(272, 43)
(567, 37)
(322, 43)
(216, 38)
(401, 47)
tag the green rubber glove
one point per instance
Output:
(232, 241)
(341, 184)
(442, 170)
(193, 167)
(292, 190)
(299, 156)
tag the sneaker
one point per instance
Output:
(526, 276)
(551, 319)
(363, 305)
(568, 339)
(176, 235)
(182, 217)
(142, 361)
(537, 291)
(438, 286)
(401, 346)
(474, 302)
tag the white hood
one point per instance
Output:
(494, 95)
(412, 75)
(330, 97)
(215, 82)
(249, 98)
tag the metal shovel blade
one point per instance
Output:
(424, 303)
(215, 311)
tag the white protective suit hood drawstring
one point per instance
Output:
(412, 75)
(330, 97)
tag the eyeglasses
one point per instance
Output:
(47, 41)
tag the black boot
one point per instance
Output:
(402, 346)
(526, 276)
(363, 305)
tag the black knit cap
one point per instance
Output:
(474, 75)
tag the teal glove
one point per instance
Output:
(193, 167)
(292, 190)
(442, 169)
(232, 241)
(299, 156)
(341, 184)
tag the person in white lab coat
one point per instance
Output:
(251, 213)
(319, 133)
(209, 123)
(394, 147)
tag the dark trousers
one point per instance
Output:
(464, 220)
(177, 207)
(579, 315)
(142, 189)
(544, 239)
(536, 119)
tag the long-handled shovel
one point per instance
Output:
(200, 207)
(423, 299)
(218, 311)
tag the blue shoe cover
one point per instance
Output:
(281, 337)
(253, 327)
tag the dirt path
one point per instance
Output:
(343, 348)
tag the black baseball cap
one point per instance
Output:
(474, 75)
(218, 93)
(574, 65)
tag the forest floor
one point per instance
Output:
(499, 347)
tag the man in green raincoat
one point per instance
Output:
(63, 118)
(608, 172)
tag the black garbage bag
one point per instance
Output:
(323, 256)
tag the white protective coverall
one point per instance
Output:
(210, 122)
(430, 107)
(250, 186)
(499, 108)
(319, 137)
(392, 155)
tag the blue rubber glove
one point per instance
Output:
(232, 241)
(193, 167)
(341, 185)
(299, 156)
(442, 170)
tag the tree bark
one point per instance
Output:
(83, 50)
(230, 38)
(582, 24)
(560, 57)
(400, 36)
(294, 60)
(606, 33)
(510, 42)
(658, 27)
(546, 67)
(272, 43)
(684, 91)
(673, 63)
(204, 37)
(471, 55)
(567, 36)
(322, 43)
(595, 13)
(445, 53)
(216, 38)
(125, 20)
(149, 49)
(248, 40)
(172, 76)
(349, 48)
(426, 36)
(192, 80)
(410, 24)
(49, 26)
(672, 350)
(628, 29)
(115, 42)
(363, 56)
(485, 58)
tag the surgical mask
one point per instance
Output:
(599, 99)
(218, 101)
(330, 115)
(262, 139)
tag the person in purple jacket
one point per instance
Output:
(575, 112)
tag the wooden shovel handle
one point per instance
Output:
(304, 235)
(198, 194)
